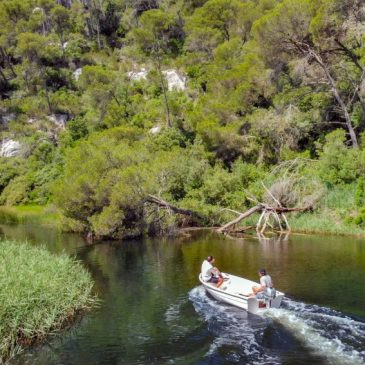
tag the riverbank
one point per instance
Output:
(327, 219)
(39, 214)
(40, 293)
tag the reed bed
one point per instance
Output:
(39, 294)
(36, 214)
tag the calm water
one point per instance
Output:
(155, 312)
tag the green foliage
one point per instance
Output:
(358, 219)
(267, 83)
(32, 309)
(360, 192)
(152, 37)
(16, 192)
(9, 169)
(77, 129)
(338, 163)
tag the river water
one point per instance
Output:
(154, 311)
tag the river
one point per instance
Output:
(154, 311)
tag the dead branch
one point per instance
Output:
(269, 192)
(163, 204)
(266, 212)
(239, 218)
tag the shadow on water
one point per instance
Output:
(153, 312)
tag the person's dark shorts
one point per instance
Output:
(213, 279)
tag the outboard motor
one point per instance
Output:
(269, 295)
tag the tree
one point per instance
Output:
(152, 38)
(61, 21)
(36, 50)
(288, 33)
(215, 22)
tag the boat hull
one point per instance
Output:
(232, 292)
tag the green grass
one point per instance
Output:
(330, 214)
(39, 294)
(30, 214)
(323, 223)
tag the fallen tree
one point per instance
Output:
(164, 204)
(280, 199)
(162, 217)
(266, 213)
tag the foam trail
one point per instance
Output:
(340, 339)
(231, 328)
(329, 334)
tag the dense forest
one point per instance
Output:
(203, 103)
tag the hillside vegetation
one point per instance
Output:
(202, 103)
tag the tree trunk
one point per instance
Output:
(47, 98)
(337, 95)
(239, 218)
(3, 76)
(306, 49)
(168, 117)
(351, 55)
(7, 60)
(162, 203)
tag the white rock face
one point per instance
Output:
(175, 81)
(59, 120)
(9, 148)
(155, 130)
(77, 73)
(138, 75)
(36, 9)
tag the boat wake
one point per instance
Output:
(229, 325)
(314, 334)
(327, 332)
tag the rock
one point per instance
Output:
(36, 9)
(138, 75)
(9, 148)
(155, 130)
(59, 120)
(6, 118)
(175, 81)
(77, 73)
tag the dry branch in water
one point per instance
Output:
(284, 196)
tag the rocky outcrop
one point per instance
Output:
(77, 73)
(9, 148)
(59, 120)
(155, 130)
(175, 81)
(138, 75)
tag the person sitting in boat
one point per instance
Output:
(211, 274)
(266, 286)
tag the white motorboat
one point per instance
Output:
(233, 291)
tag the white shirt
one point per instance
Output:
(206, 270)
(266, 281)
